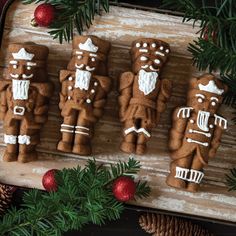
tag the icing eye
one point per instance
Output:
(167, 50)
(93, 59)
(157, 61)
(79, 57)
(200, 100)
(154, 45)
(145, 45)
(28, 67)
(138, 45)
(143, 58)
(161, 48)
(213, 103)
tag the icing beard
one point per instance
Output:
(82, 79)
(202, 120)
(20, 89)
(147, 81)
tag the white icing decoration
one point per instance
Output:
(24, 139)
(147, 81)
(181, 173)
(93, 59)
(13, 62)
(88, 68)
(15, 66)
(82, 79)
(31, 64)
(211, 88)
(144, 67)
(141, 130)
(145, 45)
(93, 55)
(10, 139)
(95, 83)
(81, 127)
(185, 112)
(79, 53)
(69, 98)
(191, 131)
(20, 89)
(88, 100)
(20, 111)
(70, 78)
(27, 76)
(202, 120)
(70, 88)
(200, 95)
(192, 121)
(200, 100)
(68, 126)
(160, 53)
(83, 133)
(167, 50)
(143, 58)
(79, 57)
(67, 131)
(138, 45)
(154, 45)
(213, 103)
(152, 68)
(88, 46)
(92, 91)
(28, 67)
(219, 120)
(15, 76)
(195, 176)
(211, 126)
(161, 48)
(79, 66)
(143, 50)
(157, 61)
(23, 55)
(189, 140)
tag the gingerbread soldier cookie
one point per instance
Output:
(143, 94)
(25, 94)
(85, 86)
(196, 132)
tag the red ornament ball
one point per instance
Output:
(49, 182)
(44, 14)
(124, 188)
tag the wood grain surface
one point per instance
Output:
(121, 26)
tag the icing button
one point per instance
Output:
(211, 126)
(92, 91)
(70, 87)
(70, 78)
(69, 98)
(191, 121)
(95, 84)
(88, 100)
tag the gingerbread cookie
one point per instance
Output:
(196, 132)
(85, 86)
(143, 94)
(25, 94)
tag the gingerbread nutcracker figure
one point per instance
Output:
(143, 94)
(25, 94)
(196, 132)
(85, 86)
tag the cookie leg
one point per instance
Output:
(67, 133)
(195, 175)
(10, 139)
(28, 140)
(179, 172)
(83, 135)
(144, 134)
(128, 144)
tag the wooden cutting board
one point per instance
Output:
(121, 26)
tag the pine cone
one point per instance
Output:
(163, 225)
(5, 197)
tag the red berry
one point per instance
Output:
(49, 182)
(124, 188)
(44, 14)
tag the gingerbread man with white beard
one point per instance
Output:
(85, 86)
(143, 94)
(25, 94)
(196, 132)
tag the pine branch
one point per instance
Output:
(72, 14)
(231, 180)
(83, 196)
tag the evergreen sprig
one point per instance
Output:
(72, 14)
(231, 180)
(83, 196)
(215, 49)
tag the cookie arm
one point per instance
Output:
(64, 74)
(3, 99)
(125, 88)
(177, 131)
(215, 142)
(100, 98)
(163, 97)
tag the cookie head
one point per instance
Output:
(27, 62)
(89, 54)
(206, 93)
(149, 55)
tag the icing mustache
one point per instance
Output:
(150, 67)
(88, 68)
(24, 76)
